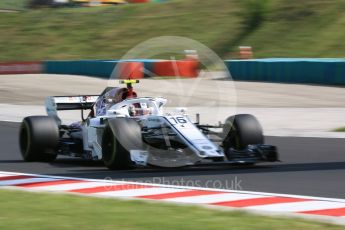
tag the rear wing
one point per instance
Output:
(56, 103)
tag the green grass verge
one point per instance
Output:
(274, 28)
(22, 210)
(341, 129)
(13, 4)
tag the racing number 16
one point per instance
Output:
(178, 120)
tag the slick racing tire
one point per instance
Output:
(39, 138)
(120, 136)
(241, 130)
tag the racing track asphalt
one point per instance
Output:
(310, 166)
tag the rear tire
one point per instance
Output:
(241, 130)
(39, 138)
(120, 136)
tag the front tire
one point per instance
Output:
(241, 130)
(120, 136)
(38, 138)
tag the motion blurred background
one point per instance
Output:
(62, 29)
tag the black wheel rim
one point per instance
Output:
(109, 147)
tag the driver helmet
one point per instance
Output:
(139, 109)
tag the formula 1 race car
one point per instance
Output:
(125, 131)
